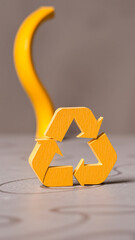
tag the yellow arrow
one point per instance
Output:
(40, 159)
(97, 173)
(42, 156)
(63, 118)
(24, 67)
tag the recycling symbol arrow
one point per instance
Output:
(47, 147)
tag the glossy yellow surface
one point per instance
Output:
(106, 156)
(24, 67)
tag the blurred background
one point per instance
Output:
(85, 56)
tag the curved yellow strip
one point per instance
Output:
(24, 67)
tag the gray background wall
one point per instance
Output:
(85, 56)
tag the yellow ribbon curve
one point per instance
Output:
(24, 67)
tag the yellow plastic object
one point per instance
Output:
(46, 148)
(63, 118)
(97, 173)
(24, 67)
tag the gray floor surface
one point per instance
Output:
(29, 211)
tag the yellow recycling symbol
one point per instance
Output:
(47, 147)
